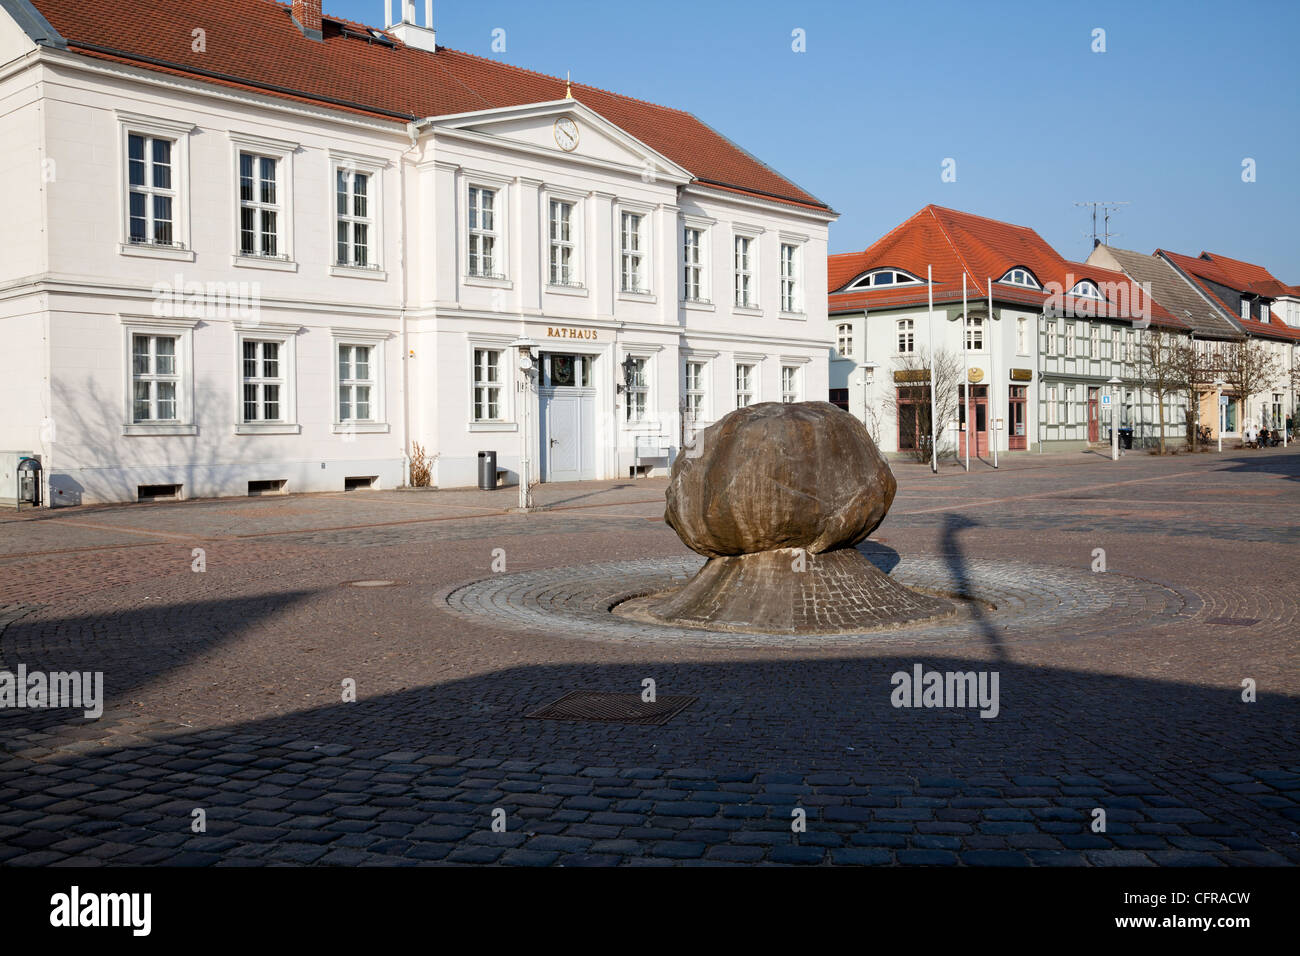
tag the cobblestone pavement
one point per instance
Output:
(1119, 691)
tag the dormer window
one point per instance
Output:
(1021, 277)
(884, 277)
(1086, 289)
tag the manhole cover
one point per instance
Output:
(370, 584)
(613, 708)
(1233, 621)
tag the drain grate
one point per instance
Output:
(1233, 621)
(613, 708)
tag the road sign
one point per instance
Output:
(1105, 399)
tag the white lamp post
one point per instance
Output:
(1114, 432)
(527, 371)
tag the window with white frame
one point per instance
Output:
(692, 264)
(483, 232)
(884, 277)
(789, 384)
(1245, 308)
(906, 336)
(563, 256)
(354, 219)
(1021, 277)
(1094, 341)
(974, 333)
(694, 391)
(1051, 404)
(1087, 289)
(790, 290)
(744, 385)
(1051, 339)
(263, 377)
(356, 383)
(260, 217)
(632, 245)
(1067, 404)
(844, 340)
(151, 190)
(1069, 339)
(1022, 336)
(1130, 350)
(744, 272)
(155, 378)
(638, 391)
(488, 385)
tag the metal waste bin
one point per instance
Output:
(1126, 437)
(487, 470)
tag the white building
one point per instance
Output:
(1031, 370)
(283, 262)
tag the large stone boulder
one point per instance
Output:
(772, 476)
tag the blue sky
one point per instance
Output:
(1011, 91)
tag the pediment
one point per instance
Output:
(540, 128)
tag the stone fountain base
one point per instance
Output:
(790, 591)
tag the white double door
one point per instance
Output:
(568, 425)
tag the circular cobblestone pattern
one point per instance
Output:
(1006, 601)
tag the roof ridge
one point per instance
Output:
(576, 86)
(975, 215)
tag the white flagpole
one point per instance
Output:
(993, 385)
(929, 334)
(965, 362)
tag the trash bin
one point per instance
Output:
(1126, 436)
(487, 470)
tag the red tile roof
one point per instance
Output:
(958, 243)
(1241, 277)
(253, 44)
(1246, 276)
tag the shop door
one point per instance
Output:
(1093, 412)
(1018, 437)
(979, 407)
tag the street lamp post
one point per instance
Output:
(1114, 432)
(527, 370)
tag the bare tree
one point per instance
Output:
(1194, 370)
(909, 400)
(1249, 367)
(1159, 369)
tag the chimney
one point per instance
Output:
(306, 14)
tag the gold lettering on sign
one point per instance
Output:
(561, 332)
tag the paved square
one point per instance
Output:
(1119, 690)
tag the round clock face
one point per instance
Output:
(566, 134)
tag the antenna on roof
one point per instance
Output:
(1106, 207)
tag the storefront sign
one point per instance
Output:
(975, 374)
(1022, 375)
(560, 332)
(912, 375)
